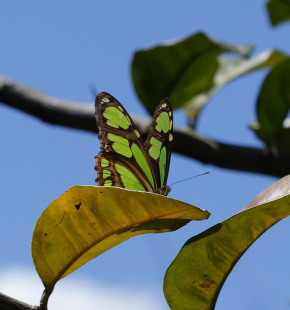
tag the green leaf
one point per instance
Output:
(196, 276)
(88, 220)
(279, 143)
(228, 70)
(189, 72)
(279, 11)
(179, 70)
(274, 103)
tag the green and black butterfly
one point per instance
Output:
(125, 161)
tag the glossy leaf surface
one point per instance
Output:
(196, 276)
(87, 221)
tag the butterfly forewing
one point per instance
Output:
(124, 160)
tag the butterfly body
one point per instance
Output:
(125, 160)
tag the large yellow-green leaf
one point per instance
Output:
(196, 276)
(88, 220)
(190, 71)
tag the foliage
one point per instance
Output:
(196, 276)
(196, 69)
(279, 11)
(86, 221)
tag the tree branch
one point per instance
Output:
(47, 108)
(186, 142)
(9, 303)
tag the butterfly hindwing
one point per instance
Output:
(159, 143)
(124, 160)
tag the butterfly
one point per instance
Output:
(125, 160)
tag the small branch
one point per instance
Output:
(186, 142)
(9, 303)
(45, 296)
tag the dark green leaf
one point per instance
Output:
(180, 70)
(189, 72)
(279, 11)
(273, 103)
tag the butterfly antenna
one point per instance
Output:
(198, 175)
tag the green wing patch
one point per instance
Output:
(125, 161)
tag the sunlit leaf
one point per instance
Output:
(278, 189)
(229, 69)
(87, 221)
(190, 72)
(279, 11)
(196, 276)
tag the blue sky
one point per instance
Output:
(64, 47)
